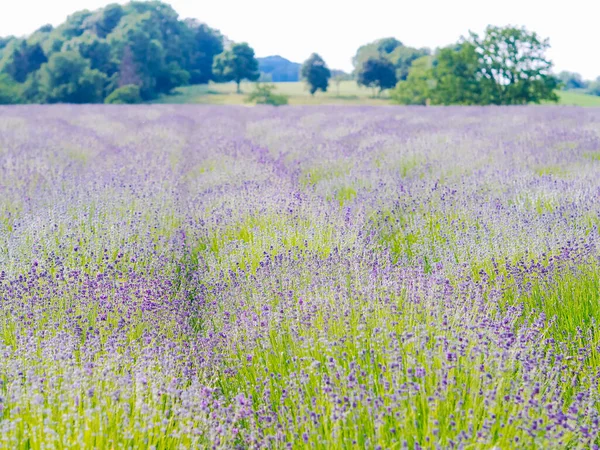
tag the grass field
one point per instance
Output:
(182, 277)
(578, 99)
(348, 93)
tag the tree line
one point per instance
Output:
(118, 54)
(505, 66)
(138, 51)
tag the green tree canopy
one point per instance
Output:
(457, 77)
(204, 45)
(388, 45)
(377, 73)
(416, 89)
(316, 73)
(68, 78)
(514, 65)
(21, 58)
(391, 49)
(141, 42)
(507, 66)
(9, 91)
(237, 64)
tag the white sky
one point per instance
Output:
(336, 28)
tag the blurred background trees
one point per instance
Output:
(237, 64)
(142, 50)
(316, 74)
(95, 53)
(506, 66)
(377, 73)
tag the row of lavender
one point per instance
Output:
(183, 277)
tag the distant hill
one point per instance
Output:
(277, 69)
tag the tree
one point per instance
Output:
(506, 67)
(141, 43)
(513, 62)
(391, 49)
(381, 48)
(388, 45)
(403, 57)
(97, 50)
(417, 88)
(572, 80)
(45, 28)
(5, 41)
(109, 19)
(68, 78)
(377, 73)
(23, 59)
(205, 44)
(129, 94)
(171, 77)
(9, 91)
(458, 79)
(237, 64)
(316, 73)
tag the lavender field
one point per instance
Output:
(180, 277)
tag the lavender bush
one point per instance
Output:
(184, 277)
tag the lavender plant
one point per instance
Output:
(221, 277)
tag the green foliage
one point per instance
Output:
(506, 67)
(377, 73)
(171, 77)
(108, 19)
(97, 50)
(392, 50)
(21, 58)
(68, 78)
(237, 64)
(380, 48)
(571, 80)
(388, 45)
(416, 89)
(129, 94)
(457, 77)
(263, 94)
(9, 91)
(316, 73)
(403, 58)
(141, 43)
(4, 41)
(512, 61)
(205, 43)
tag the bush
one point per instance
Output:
(126, 95)
(263, 95)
